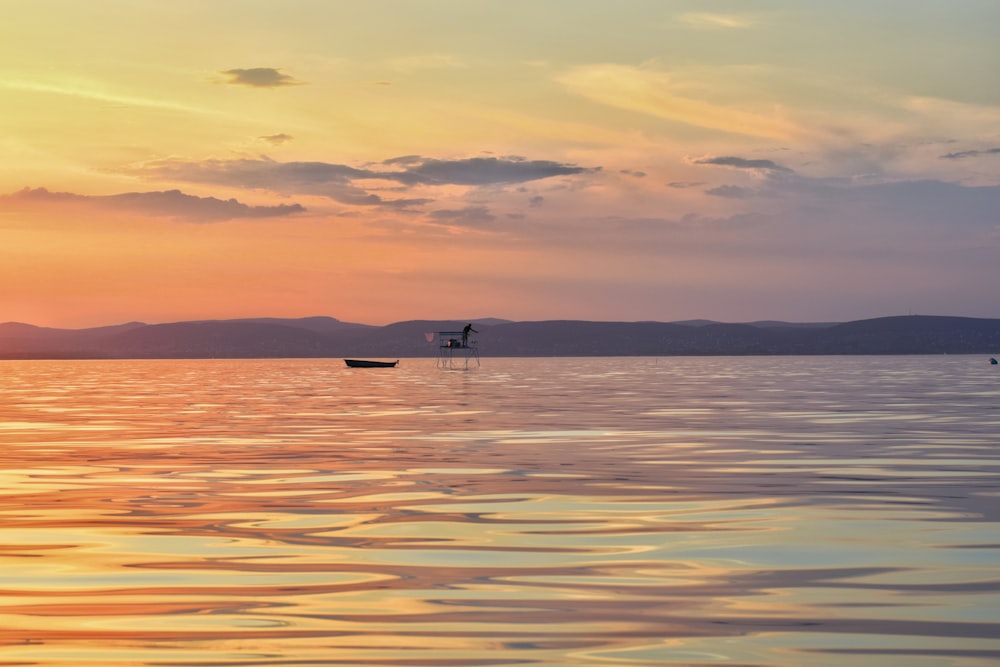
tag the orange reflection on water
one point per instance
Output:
(551, 512)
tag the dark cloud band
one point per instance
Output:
(742, 163)
(259, 77)
(966, 154)
(170, 203)
(348, 185)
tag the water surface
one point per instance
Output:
(550, 512)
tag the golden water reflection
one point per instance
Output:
(558, 512)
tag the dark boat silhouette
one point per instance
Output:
(364, 363)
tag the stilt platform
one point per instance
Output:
(454, 352)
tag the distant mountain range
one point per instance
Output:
(329, 337)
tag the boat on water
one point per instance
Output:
(365, 363)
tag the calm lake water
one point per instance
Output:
(546, 512)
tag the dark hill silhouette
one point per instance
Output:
(908, 334)
(223, 339)
(328, 337)
(28, 341)
(320, 323)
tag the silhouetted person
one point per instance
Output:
(465, 334)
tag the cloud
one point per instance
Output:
(468, 216)
(404, 160)
(169, 203)
(175, 203)
(259, 77)
(742, 163)
(712, 20)
(656, 94)
(347, 184)
(974, 153)
(481, 171)
(404, 204)
(276, 139)
(97, 92)
(947, 115)
(732, 192)
(43, 195)
(333, 181)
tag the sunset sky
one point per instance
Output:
(387, 160)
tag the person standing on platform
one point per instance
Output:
(465, 334)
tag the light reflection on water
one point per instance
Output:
(551, 512)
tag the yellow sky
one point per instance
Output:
(387, 160)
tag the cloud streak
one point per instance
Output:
(655, 94)
(470, 216)
(94, 92)
(731, 192)
(259, 77)
(973, 153)
(743, 163)
(350, 185)
(168, 203)
(276, 139)
(481, 171)
(713, 20)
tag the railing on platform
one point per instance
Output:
(458, 345)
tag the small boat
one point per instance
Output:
(364, 363)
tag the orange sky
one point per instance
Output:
(381, 161)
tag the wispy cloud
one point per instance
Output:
(259, 77)
(713, 20)
(734, 162)
(276, 139)
(972, 153)
(481, 171)
(314, 178)
(732, 192)
(170, 203)
(654, 93)
(468, 216)
(91, 90)
(348, 185)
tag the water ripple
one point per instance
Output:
(560, 512)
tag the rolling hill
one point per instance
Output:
(329, 337)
